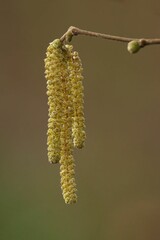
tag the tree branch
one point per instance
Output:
(74, 31)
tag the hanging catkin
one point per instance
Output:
(66, 124)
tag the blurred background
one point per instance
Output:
(117, 172)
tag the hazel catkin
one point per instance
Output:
(54, 70)
(78, 125)
(66, 123)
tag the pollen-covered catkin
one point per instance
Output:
(55, 70)
(67, 164)
(78, 125)
(66, 124)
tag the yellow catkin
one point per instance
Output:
(78, 125)
(54, 71)
(67, 164)
(66, 123)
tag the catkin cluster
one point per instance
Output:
(66, 123)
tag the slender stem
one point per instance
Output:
(74, 31)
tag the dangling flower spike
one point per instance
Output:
(78, 125)
(63, 71)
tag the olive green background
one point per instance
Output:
(118, 171)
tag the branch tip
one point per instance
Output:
(140, 43)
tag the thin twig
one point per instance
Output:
(74, 31)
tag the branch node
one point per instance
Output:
(142, 43)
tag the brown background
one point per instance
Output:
(118, 171)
